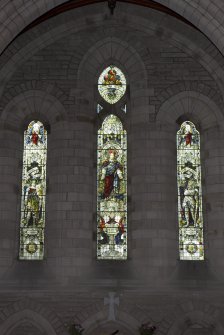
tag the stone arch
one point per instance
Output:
(190, 103)
(197, 317)
(37, 320)
(26, 310)
(117, 51)
(99, 320)
(37, 85)
(128, 318)
(122, 55)
(33, 103)
(196, 86)
(199, 15)
(184, 315)
(75, 22)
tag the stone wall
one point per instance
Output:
(50, 73)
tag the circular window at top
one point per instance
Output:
(112, 84)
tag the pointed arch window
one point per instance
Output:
(112, 84)
(32, 221)
(112, 190)
(191, 243)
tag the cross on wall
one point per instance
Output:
(111, 301)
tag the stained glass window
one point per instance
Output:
(99, 108)
(191, 243)
(112, 84)
(33, 192)
(112, 190)
(124, 109)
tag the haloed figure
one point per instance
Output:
(111, 175)
(188, 135)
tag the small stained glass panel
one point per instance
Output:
(112, 84)
(32, 221)
(112, 190)
(124, 109)
(191, 243)
(99, 108)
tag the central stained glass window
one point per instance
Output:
(112, 84)
(112, 190)
(189, 193)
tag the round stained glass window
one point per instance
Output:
(112, 84)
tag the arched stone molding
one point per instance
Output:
(180, 317)
(206, 18)
(89, 18)
(33, 103)
(196, 86)
(208, 319)
(190, 103)
(129, 319)
(99, 320)
(37, 85)
(16, 16)
(124, 56)
(27, 310)
(118, 52)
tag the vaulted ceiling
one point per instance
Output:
(206, 15)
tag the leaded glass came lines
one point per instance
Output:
(190, 218)
(112, 84)
(112, 190)
(33, 192)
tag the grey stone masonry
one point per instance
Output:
(174, 73)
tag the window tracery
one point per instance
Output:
(112, 190)
(32, 221)
(191, 245)
(112, 84)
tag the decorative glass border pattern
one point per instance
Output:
(191, 244)
(32, 221)
(112, 190)
(112, 84)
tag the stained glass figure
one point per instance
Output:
(191, 243)
(33, 192)
(112, 190)
(112, 84)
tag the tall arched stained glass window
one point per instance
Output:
(189, 193)
(33, 192)
(112, 190)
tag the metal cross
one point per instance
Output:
(111, 301)
(112, 5)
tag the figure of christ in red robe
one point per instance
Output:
(188, 138)
(111, 174)
(35, 138)
(188, 135)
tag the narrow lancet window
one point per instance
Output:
(191, 243)
(32, 221)
(112, 190)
